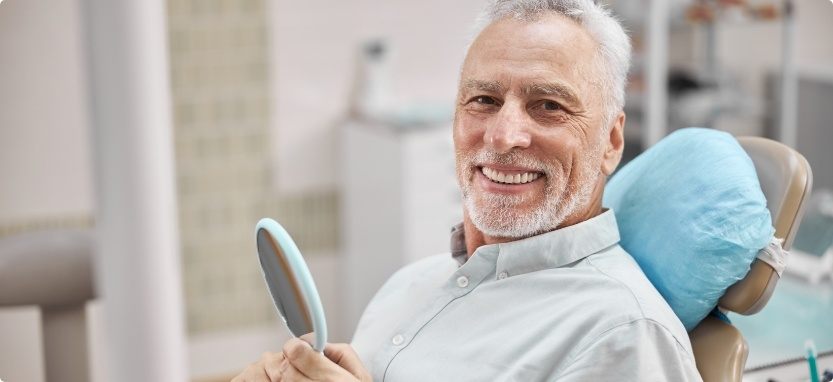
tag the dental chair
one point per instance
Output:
(53, 270)
(720, 350)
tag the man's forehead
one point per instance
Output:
(550, 42)
(553, 28)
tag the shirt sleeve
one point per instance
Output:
(641, 350)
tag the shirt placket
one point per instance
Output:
(459, 284)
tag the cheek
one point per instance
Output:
(562, 151)
(560, 145)
(462, 150)
(468, 136)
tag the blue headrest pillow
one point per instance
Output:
(691, 212)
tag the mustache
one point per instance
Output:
(513, 158)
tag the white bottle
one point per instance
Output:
(371, 96)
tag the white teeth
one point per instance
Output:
(498, 176)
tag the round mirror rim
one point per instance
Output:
(302, 274)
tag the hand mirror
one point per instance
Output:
(290, 283)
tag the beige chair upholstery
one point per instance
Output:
(786, 179)
(52, 270)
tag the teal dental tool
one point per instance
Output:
(810, 348)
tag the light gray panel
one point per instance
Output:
(815, 128)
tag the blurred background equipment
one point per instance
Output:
(371, 97)
(136, 262)
(812, 257)
(399, 202)
(685, 71)
(53, 270)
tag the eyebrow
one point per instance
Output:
(559, 90)
(556, 89)
(488, 86)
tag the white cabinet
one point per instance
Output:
(399, 201)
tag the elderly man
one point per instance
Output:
(536, 287)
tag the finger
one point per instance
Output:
(308, 338)
(253, 373)
(272, 366)
(302, 357)
(313, 364)
(345, 356)
(292, 374)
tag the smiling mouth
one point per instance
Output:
(504, 177)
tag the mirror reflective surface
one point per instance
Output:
(290, 283)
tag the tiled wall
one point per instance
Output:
(79, 221)
(219, 69)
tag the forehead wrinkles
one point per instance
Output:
(592, 71)
(499, 53)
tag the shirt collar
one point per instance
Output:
(548, 250)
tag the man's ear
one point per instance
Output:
(614, 145)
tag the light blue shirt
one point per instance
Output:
(567, 305)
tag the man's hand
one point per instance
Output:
(266, 369)
(299, 362)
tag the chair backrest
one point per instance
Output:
(786, 180)
(53, 270)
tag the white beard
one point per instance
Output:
(499, 215)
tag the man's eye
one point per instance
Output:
(484, 100)
(550, 106)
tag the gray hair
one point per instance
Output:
(614, 46)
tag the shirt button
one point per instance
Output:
(462, 281)
(502, 275)
(397, 340)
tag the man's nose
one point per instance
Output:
(508, 130)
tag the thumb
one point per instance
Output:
(346, 357)
(301, 356)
